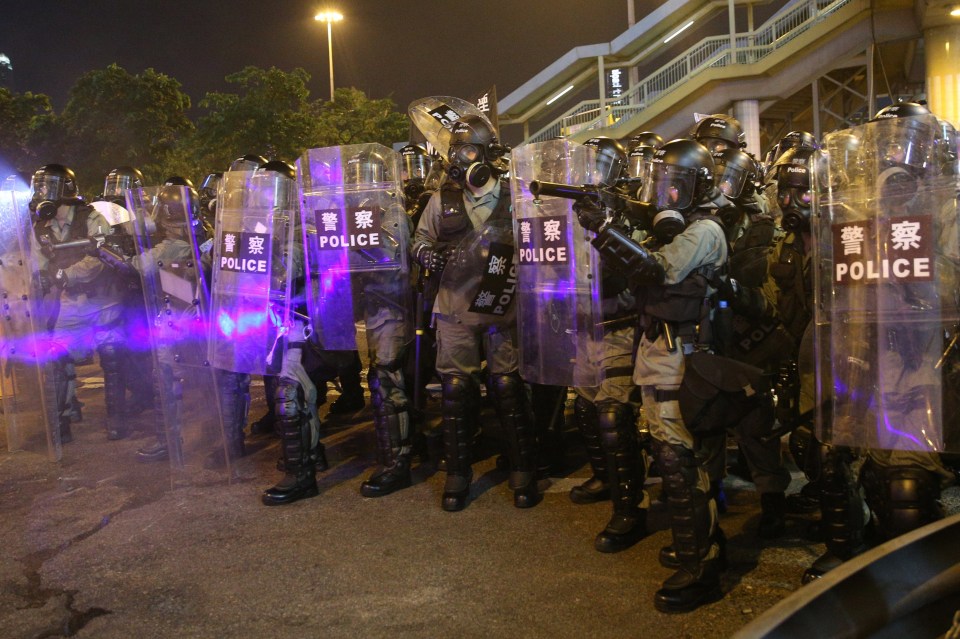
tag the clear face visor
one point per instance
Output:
(47, 187)
(363, 172)
(730, 180)
(637, 166)
(117, 185)
(275, 191)
(669, 187)
(414, 166)
(608, 168)
(904, 152)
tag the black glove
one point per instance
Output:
(434, 258)
(112, 257)
(591, 214)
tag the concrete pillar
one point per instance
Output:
(942, 50)
(747, 112)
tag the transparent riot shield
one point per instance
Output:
(558, 306)
(252, 268)
(434, 117)
(355, 237)
(173, 262)
(886, 290)
(26, 377)
(478, 286)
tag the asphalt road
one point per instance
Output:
(102, 546)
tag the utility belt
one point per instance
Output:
(689, 332)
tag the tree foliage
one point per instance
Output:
(352, 118)
(20, 116)
(115, 118)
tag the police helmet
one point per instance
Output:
(119, 180)
(611, 159)
(681, 177)
(646, 138)
(52, 185)
(366, 167)
(718, 132)
(735, 173)
(248, 162)
(414, 163)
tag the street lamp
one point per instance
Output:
(329, 17)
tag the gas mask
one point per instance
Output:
(668, 191)
(466, 165)
(795, 202)
(44, 209)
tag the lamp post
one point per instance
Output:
(329, 17)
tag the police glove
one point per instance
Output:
(737, 297)
(591, 214)
(112, 257)
(434, 258)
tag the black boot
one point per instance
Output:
(509, 396)
(265, 425)
(301, 456)
(618, 436)
(456, 441)
(547, 403)
(114, 392)
(696, 539)
(351, 391)
(773, 515)
(594, 489)
(234, 406)
(392, 427)
(841, 512)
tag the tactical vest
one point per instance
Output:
(685, 305)
(748, 259)
(455, 223)
(795, 285)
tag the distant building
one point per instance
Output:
(6, 71)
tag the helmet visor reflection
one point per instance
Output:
(669, 187)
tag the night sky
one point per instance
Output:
(404, 49)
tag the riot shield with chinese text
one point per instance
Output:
(558, 305)
(26, 375)
(886, 305)
(252, 269)
(355, 237)
(173, 262)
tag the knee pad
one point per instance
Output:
(382, 389)
(507, 389)
(111, 358)
(288, 399)
(903, 498)
(458, 390)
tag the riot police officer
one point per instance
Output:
(606, 415)
(677, 273)
(136, 358)
(89, 296)
(472, 197)
(752, 231)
